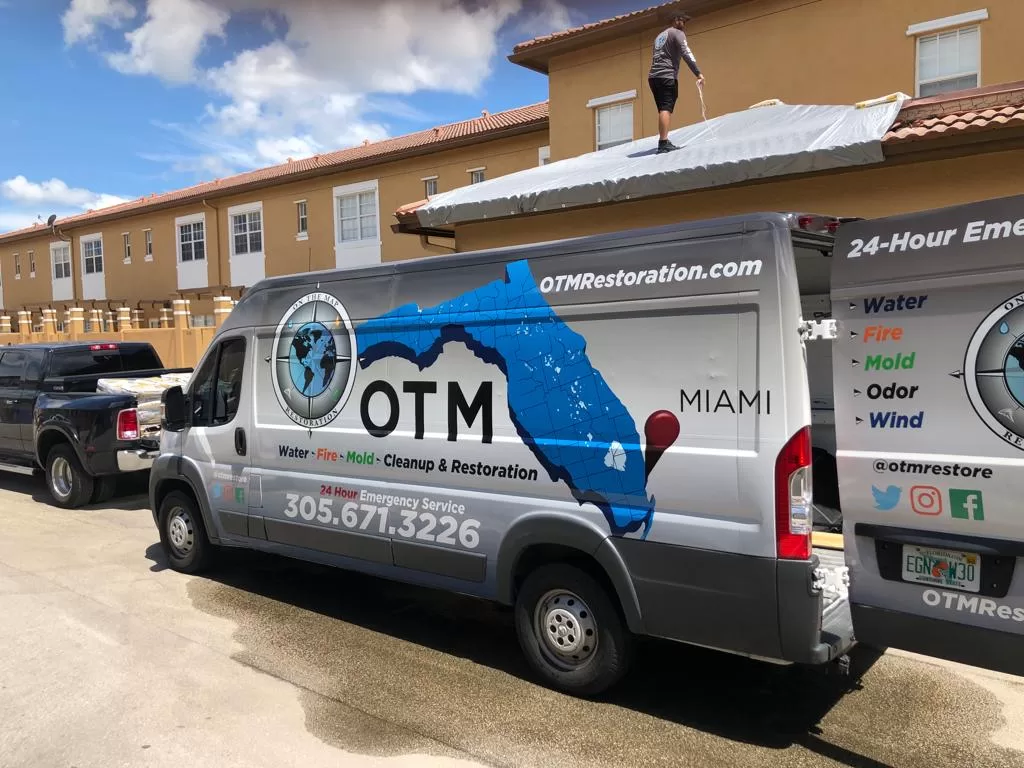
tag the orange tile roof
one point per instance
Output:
(593, 26)
(476, 129)
(978, 109)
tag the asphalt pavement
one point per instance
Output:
(112, 659)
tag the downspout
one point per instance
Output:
(71, 253)
(216, 219)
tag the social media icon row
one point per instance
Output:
(928, 501)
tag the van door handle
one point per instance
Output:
(240, 441)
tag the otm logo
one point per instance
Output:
(312, 366)
(994, 370)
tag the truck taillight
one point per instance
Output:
(128, 424)
(97, 347)
(793, 509)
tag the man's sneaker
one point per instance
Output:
(666, 146)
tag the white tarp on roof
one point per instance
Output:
(757, 143)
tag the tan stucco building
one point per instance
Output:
(960, 138)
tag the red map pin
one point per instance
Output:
(661, 430)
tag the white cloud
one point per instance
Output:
(54, 192)
(330, 75)
(23, 202)
(170, 40)
(82, 17)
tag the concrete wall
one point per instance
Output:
(867, 192)
(823, 51)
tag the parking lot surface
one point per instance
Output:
(112, 659)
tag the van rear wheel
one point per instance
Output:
(571, 631)
(183, 533)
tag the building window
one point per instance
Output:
(60, 254)
(543, 155)
(949, 61)
(429, 186)
(126, 239)
(153, 322)
(149, 244)
(192, 241)
(246, 230)
(357, 216)
(614, 124)
(302, 226)
(476, 175)
(17, 266)
(31, 263)
(92, 255)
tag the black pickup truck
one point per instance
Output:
(54, 421)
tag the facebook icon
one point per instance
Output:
(966, 505)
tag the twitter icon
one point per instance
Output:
(887, 499)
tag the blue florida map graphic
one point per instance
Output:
(560, 404)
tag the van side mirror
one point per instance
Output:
(175, 409)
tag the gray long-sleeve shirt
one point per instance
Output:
(669, 47)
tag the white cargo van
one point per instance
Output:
(615, 435)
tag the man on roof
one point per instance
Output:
(669, 47)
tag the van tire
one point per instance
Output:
(563, 598)
(183, 534)
(64, 470)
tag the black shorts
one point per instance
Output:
(665, 92)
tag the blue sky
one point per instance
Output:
(111, 99)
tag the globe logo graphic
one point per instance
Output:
(994, 371)
(312, 365)
(312, 359)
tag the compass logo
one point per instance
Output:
(312, 363)
(994, 371)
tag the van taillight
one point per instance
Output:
(128, 424)
(793, 511)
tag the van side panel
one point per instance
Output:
(930, 425)
(431, 424)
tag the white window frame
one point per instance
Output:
(605, 103)
(153, 322)
(54, 247)
(922, 37)
(17, 266)
(126, 244)
(302, 220)
(543, 155)
(474, 171)
(195, 218)
(947, 22)
(346, 190)
(148, 236)
(32, 264)
(244, 210)
(96, 237)
(426, 184)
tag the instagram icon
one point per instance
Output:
(926, 500)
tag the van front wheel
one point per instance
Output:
(183, 534)
(570, 630)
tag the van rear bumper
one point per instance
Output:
(764, 607)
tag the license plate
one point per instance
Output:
(942, 568)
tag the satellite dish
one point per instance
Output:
(49, 221)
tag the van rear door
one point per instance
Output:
(929, 403)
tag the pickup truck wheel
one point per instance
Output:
(69, 484)
(571, 631)
(183, 533)
(103, 488)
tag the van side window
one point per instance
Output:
(217, 386)
(12, 365)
